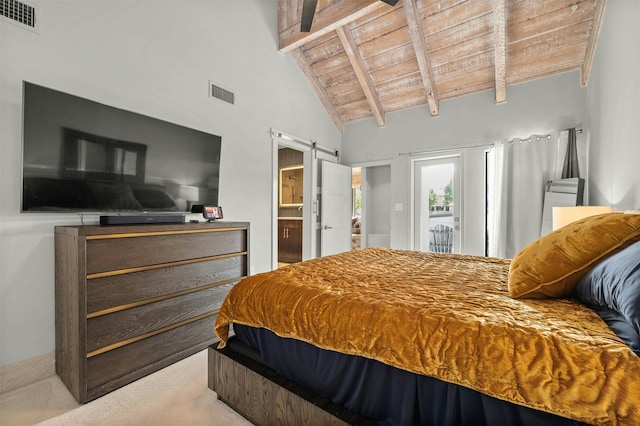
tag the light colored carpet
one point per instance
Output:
(175, 395)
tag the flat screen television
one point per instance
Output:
(81, 156)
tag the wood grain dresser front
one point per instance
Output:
(133, 299)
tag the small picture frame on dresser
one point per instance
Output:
(212, 213)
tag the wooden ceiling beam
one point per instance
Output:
(417, 36)
(362, 74)
(499, 49)
(318, 89)
(424, 51)
(336, 15)
(591, 44)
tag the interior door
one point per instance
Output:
(335, 209)
(437, 205)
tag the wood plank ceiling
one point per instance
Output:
(365, 58)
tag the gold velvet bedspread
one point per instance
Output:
(449, 317)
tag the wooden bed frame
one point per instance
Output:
(264, 397)
(496, 388)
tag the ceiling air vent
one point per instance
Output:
(222, 94)
(19, 13)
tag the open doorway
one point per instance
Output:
(306, 206)
(371, 191)
(356, 215)
(290, 204)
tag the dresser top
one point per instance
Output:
(82, 230)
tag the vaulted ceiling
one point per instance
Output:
(365, 58)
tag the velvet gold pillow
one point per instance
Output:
(552, 265)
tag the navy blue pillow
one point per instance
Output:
(620, 326)
(614, 283)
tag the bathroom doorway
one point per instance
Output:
(290, 204)
(301, 203)
(291, 209)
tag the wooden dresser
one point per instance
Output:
(130, 300)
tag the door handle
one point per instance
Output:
(327, 227)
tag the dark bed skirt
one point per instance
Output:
(370, 391)
(266, 398)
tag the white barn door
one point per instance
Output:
(335, 209)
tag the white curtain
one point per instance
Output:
(519, 171)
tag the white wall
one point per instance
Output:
(613, 97)
(538, 107)
(376, 208)
(154, 58)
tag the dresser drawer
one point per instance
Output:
(136, 287)
(118, 367)
(108, 332)
(124, 251)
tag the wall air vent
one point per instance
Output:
(19, 13)
(222, 94)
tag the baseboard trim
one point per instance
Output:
(26, 372)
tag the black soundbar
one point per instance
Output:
(141, 219)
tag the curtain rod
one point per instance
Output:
(438, 151)
(548, 136)
(538, 137)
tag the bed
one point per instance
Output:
(403, 337)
